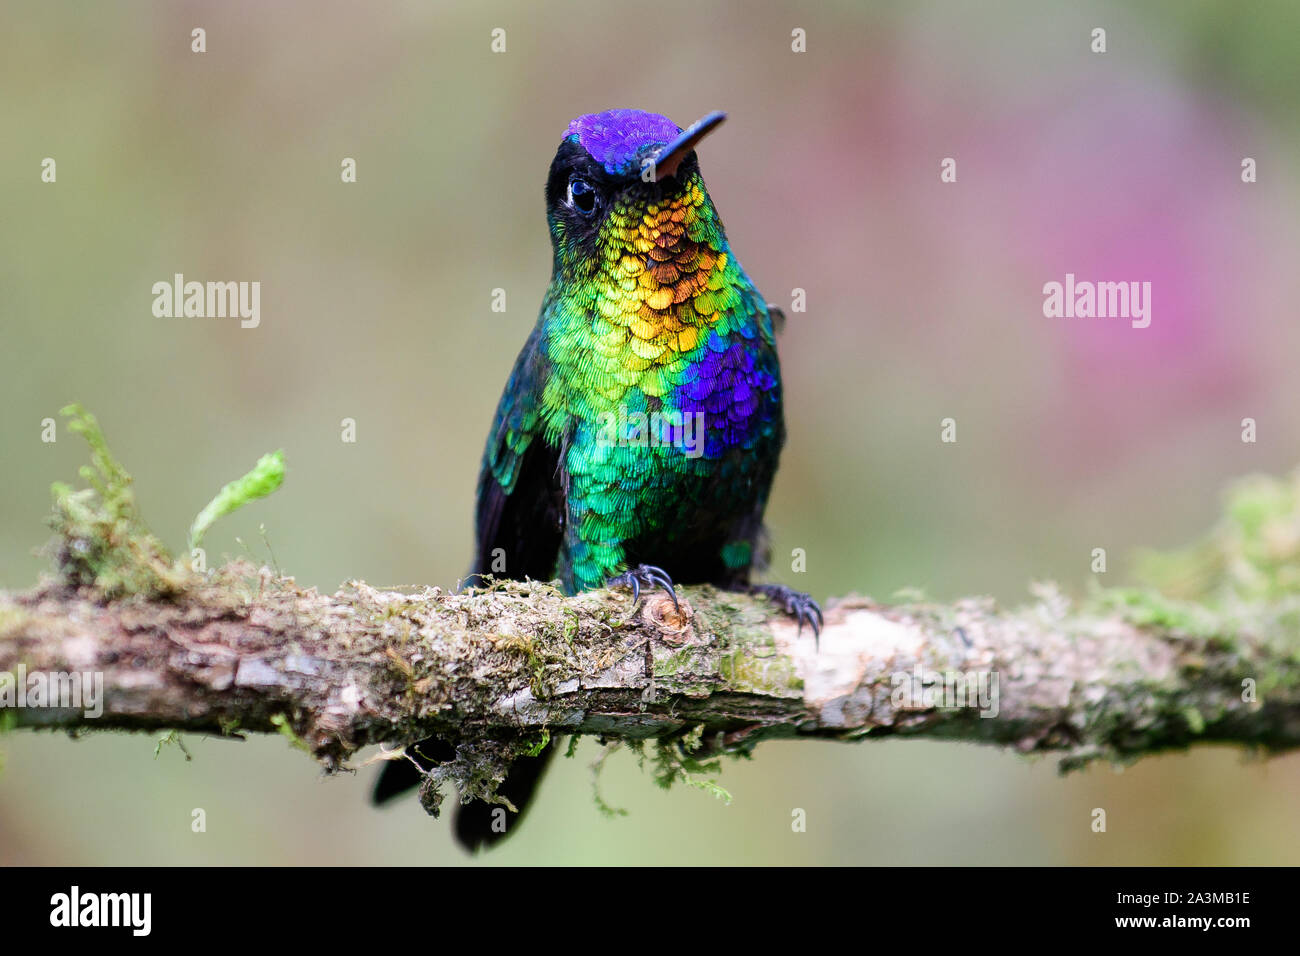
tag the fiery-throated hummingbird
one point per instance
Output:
(638, 434)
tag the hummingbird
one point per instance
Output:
(638, 434)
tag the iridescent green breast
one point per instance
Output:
(664, 389)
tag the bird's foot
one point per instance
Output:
(797, 604)
(644, 575)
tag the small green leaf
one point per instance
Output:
(266, 476)
(540, 745)
(281, 723)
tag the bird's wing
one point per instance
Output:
(519, 521)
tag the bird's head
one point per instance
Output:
(625, 184)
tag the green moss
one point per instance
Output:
(171, 738)
(748, 672)
(1252, 554)
(266, 476)
(478, 769)
(535, 662)
(1148, 608)
(281, 723)
(101, 542)
(675, 760)
(597, 766)
(675, 663)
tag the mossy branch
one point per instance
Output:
(1112, 677)
(1115, 675)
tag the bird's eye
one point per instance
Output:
(582, 196)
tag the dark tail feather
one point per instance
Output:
(396, 777)
(476, 823)
(399, 776)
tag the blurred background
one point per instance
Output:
(924, 301)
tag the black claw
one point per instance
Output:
(648, 575)
(797, 604)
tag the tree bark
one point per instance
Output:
(495, 670)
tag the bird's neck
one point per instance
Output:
(662, 279)
(663, 306)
